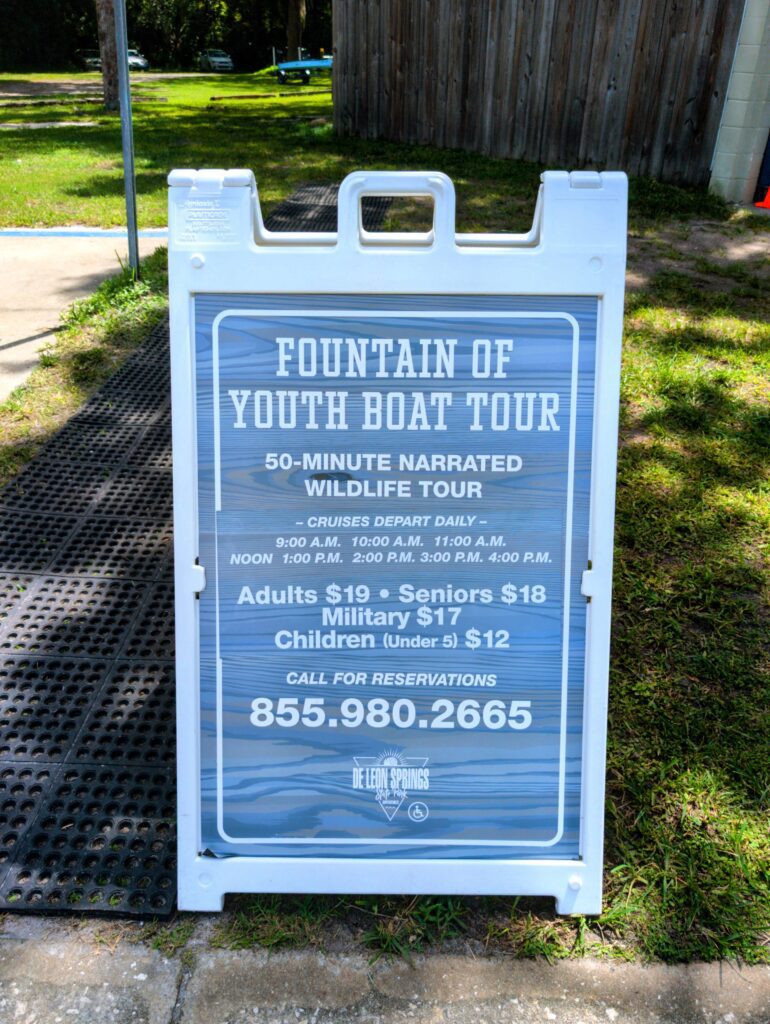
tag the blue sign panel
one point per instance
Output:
(393, 503)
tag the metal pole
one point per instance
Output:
(127, 133)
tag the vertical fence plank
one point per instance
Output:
(647, 104)
(557, 81)
(541, 58)
(506, 82)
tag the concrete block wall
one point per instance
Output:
(745, 120)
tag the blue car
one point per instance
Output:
(302, 69)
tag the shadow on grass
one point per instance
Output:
(689, 751)
(708, 339)
(113, 184)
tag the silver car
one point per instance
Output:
(215, 60)
(137, 62)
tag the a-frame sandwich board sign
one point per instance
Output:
(394, 475)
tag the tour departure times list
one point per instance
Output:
(393, 509)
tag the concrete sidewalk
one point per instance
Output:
(54, 971)
(39, 277)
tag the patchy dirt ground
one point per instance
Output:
(732, 249)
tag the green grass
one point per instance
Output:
(74, 175)
(399, 926)
(168, 939)
(687, 839)
(274, 922)
(689, 758)
(384, 925)
(525, 933)
(653, 199)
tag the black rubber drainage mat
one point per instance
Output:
(87, 789)
(87, 741)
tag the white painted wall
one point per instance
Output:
(746, 116)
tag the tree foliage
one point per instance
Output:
(36, 34)
(170, 33)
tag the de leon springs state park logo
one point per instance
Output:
(391, 776)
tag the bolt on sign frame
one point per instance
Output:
(394, 483)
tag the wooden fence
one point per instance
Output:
(631, 84)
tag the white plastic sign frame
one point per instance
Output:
(218, 245)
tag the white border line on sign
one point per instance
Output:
(393, 314)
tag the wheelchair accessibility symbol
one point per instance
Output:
(418, 811)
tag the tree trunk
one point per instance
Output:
(295, 23)
(108, 50)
